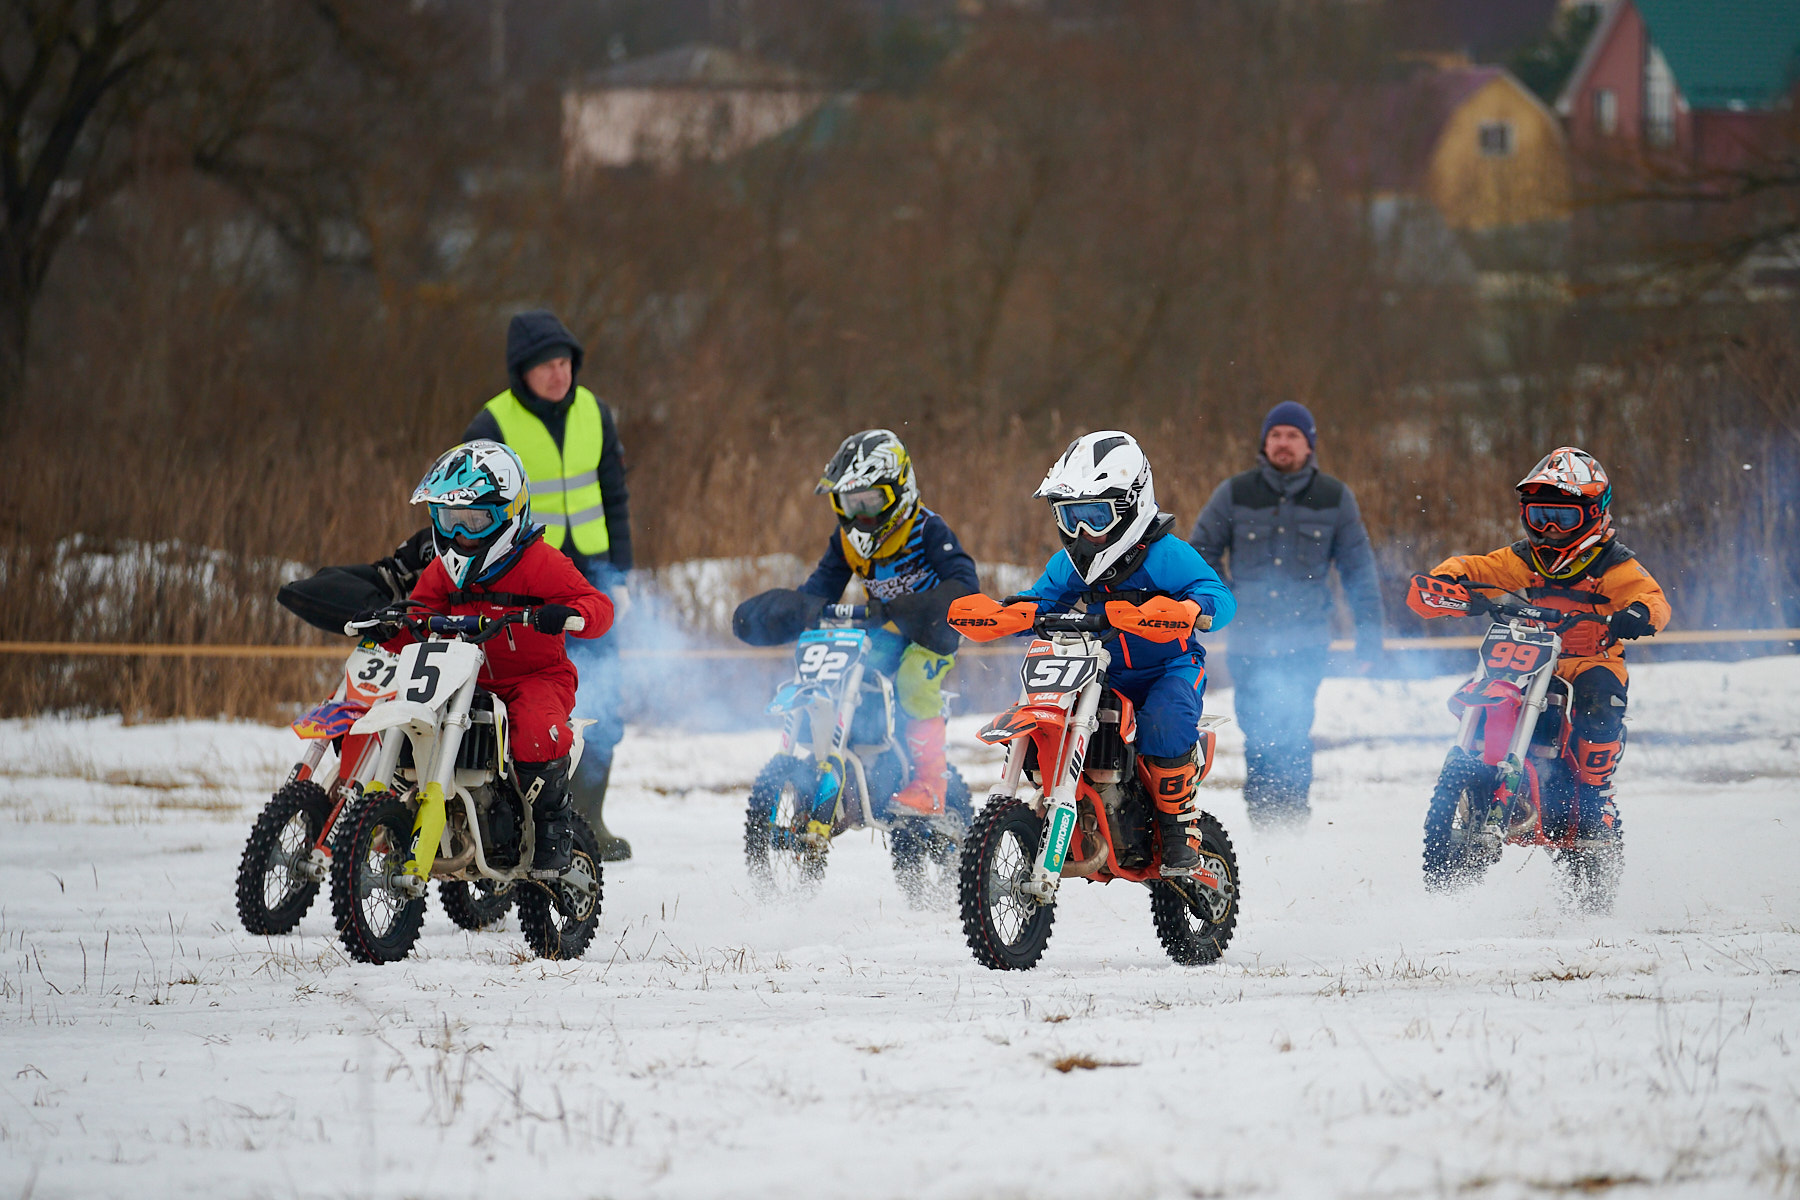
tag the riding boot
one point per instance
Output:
(925, 745)
(545, 788)
(1596, 815)
(588, 788)
(1171, 782)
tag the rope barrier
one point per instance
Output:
(1680, 637)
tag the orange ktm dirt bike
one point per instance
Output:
(840, 766)
(288, 853)
(1070, 802)
(1510, 777)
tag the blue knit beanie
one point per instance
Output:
(1291, 412)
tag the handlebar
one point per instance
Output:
(471, 628)
(1552, 618)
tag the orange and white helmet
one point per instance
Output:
(1564, 504)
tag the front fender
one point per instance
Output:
(1018, 721)
(395, 714)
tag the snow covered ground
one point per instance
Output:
(1359, 1039)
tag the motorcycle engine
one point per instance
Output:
(1128, 812)
(500, 823)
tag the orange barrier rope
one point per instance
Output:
(1679, 637)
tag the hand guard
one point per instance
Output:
(981, 619)
(1158, 619)
(1437, 596)
(552, 618)
(1630, 622)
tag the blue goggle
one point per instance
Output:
(469, 520)
(1552, 518)
(1095, 516)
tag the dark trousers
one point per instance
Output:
(1275, 697)
(598, 699)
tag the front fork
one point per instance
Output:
(1059, 811)
(834, 767)
(430, 819)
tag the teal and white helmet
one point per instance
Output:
(480, 509)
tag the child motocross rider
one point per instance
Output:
(491, 558)
(1571, 560)
(1116, 545)
(912, 567)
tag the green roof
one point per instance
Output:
(1727, 53)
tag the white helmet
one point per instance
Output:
(1103, 498)
(480, 509)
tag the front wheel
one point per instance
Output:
(1006, 927)
(927, 851)
(559, 917)
(376, 920)
(273, 889)
(476, 904)
(1458, 848)
(784, 865)
(1194, 921)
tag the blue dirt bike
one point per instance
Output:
(839, 768)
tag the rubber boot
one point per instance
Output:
(588, 788)
(925, 745)
(545, 788)
(1171, 783)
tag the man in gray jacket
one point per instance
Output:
(1283, 525)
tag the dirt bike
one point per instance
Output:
(840, 767)
(1070, 803)
(288, 853)
(1510, 777)
(456, 812)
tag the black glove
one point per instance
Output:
(875, 612)
(550, 618)
(776, 616)
(1632, 621)
(923, 616)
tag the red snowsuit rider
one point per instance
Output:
(492, 559)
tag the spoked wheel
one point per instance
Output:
(1194, 920)
(927, 853)
(476, 904)
(783, 864)
(1006, 927)
(376, 920)
(273, 889)
(1457, 852)
(559, 918)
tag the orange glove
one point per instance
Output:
(1432, 596)
(1159, 619)
(982, 619)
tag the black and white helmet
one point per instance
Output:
(1103, 498)
(870, 482)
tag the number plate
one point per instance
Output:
(824, 655)
(430, 672)
(1055, 675)
(1509, 655)
(370, 674)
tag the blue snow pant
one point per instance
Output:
(1168, 697)
(1275, 698)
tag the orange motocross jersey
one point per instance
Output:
(1614, 580)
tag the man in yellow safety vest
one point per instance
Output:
(569, 444)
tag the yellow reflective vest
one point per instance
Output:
(565, 484)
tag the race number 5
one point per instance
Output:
(425, 676)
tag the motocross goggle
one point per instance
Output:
(1095, 516)
(1552, 519)
(469, 520)
(863, 506)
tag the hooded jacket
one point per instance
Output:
(527, 337)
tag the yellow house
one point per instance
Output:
(1472, 140)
